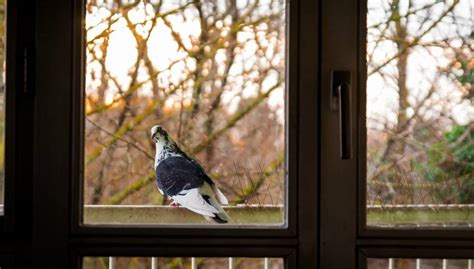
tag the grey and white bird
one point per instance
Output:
(184, 180)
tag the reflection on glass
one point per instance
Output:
(180, 262)
(420, 113)
(211, 73)
(2, 100)
(402, 263)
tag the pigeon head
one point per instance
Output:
(159, 134)
(165, 145)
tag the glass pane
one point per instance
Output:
(180, 262)
(420, 113)
(211, 74)
(2, 100)
(403, 263)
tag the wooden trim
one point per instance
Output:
(403, 216)
(305, 74)
(51, 151)
(242, 216)
(361, 152)
(196, 251)
(421, 216)
(182, 241)
(77, 120)
(407, 243)
(339, 42)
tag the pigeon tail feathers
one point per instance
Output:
(220, 196)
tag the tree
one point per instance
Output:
(210, 72)
(419, 87)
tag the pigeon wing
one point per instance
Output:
(185, 181)
(176, 174)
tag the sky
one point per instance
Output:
(382, 96)
(164, 51)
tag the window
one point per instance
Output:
(387, 67)
(420, 114)
(212, 74)
(328, 221)
(61, 38)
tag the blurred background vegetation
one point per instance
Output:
(171, 263)
(402, 263)
(210, 72)
(420, 98)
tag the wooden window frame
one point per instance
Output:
(41, 227)
(345, 239)
(58, 116)
(182, 231)
(16, 225)
(19, 94)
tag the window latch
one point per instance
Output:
(341, 101)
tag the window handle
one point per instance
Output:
(341, 101)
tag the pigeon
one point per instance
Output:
(184, 180)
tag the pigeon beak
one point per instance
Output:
(154, 132)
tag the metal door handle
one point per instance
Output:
(341, 100)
